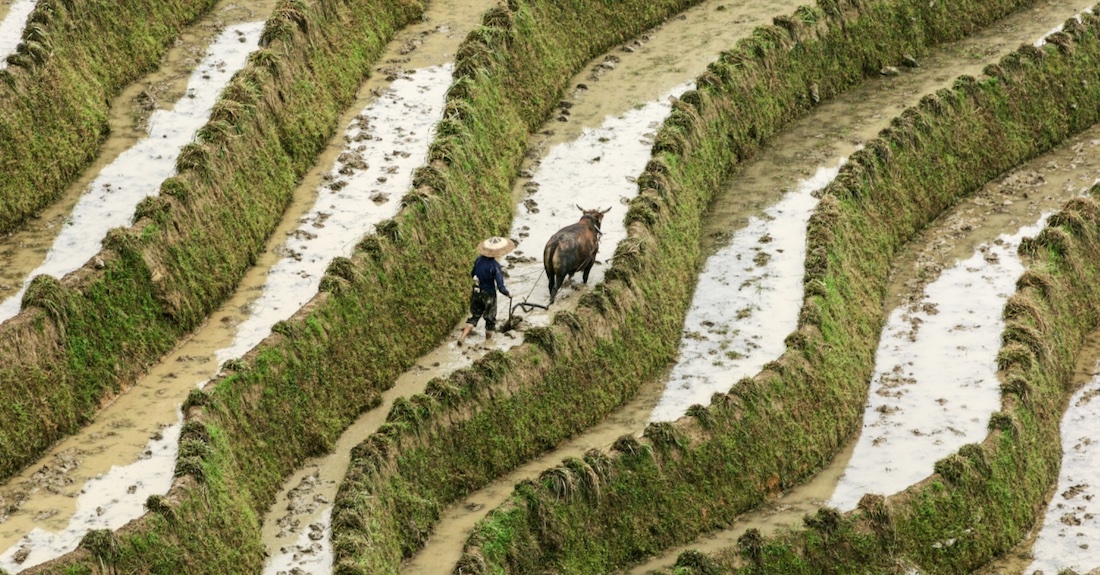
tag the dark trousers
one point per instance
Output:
(483, 305)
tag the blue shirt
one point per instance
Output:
(490, 277)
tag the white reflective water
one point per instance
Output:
(747, 301)
(12, 26)
(602, 162)
(138, 172)
(1042, 41)
(385, 144)
(117, 497)
(1070, 532)
(596, 170)
(106, 502)
(935, 383)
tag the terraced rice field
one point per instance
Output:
(230, 296)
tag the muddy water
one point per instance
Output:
(746, 302)
(1016, 200)
(834, 131)
(444, 549)
(13, 20)
(398, 125)
(100, 504)
(935, 382)
(101, 478)
(1062, 547)
(602, 162)
(51, 505)
(137, 172)
(148, 107)
(385, 143)
(784, 512)
(1072, 526)
(317, 221)
(598, 143)
(1070, 530)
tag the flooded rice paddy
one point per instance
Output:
(811, 148)
(350, 205)
(747, 301)
(110, 200)
(13, 20)
(108, 501)
(1071, 528)
(960, 248)
(935, 382)
(588, 155)
(385, 143)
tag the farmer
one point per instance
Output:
(488, 277)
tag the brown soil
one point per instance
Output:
(44, 494)
(835, 130)
(636, 72)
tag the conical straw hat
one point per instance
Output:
(495, 247)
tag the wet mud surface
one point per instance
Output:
(13, 20)
(1010, 202)
(48, 496)
(835, 130)
(629, 77)
(24, 250)
(597, 142)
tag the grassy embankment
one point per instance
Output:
(55, 93)
(480, 422)
(395, 299)
(82, 339)
(774, 429)
(983, 499)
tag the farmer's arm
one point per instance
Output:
(500, 281)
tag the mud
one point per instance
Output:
(968, 330)
(24, 250)
(1021, 559)
(833, 131)
(598, 141)
(13, 20)
(783, 512)
(639, 72)
(110, 200)
(48, 494)
(747, 301)
(1067, 535)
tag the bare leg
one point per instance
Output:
(488, 335)
(465, 332)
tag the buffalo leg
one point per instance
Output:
(559, 279)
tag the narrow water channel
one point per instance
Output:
(935, 383)
(398, 124)
(49, 507)
(110, 200)
(160, 393)
(588, 154)
(150, 105)
(792, 160)
(747, 301)
(967, 245)
(13, 20)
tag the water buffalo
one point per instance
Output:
(572, 249)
